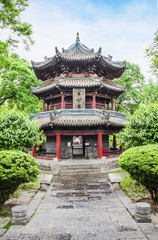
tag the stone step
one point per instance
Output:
(87, 166)
(81, 193)
(79, 171)
(74, 168)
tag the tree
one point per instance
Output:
(152, 54)
(133, 79)
(17, 131)
(142, 164)
(10, 13)
(16, 77)
(142, 128)
(15, 168)
(3, 54)
(149, 93)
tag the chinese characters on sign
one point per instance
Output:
(79, 98)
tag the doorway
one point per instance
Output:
(78, 147)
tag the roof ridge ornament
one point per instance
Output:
(77, 37)
(99, 52)
(57, 52)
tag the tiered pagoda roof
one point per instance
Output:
(70, 82)
(78, 58)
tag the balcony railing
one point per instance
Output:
(100, 105)
(68, 106)
(88, 105)
(111, 152)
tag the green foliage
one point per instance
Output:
(149, 93)
(8, 225)
(3, 54)
(142, 128)
(15, 168)
(17, 131)
(5, 213)
(10, 13)
(152, 53)
(142, 164)
(54, 110)
(133, 79)
(103, 110)
(16, 79)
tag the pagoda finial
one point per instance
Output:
(77, 37)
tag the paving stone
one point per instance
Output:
(2, 232)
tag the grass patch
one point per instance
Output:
(132, 188)
(42, 173)
(8, 225)
(34, 185)
(5, 213)
(120, 171)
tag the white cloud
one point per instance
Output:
(124, 34)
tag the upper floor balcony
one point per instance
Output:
(79, 118)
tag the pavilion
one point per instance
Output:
(78, 92)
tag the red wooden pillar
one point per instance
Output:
(62, 101)
(33, 151)
(100, 144)
(94, 100)
(58, 145)
(51, 105)
(114, 142)
(43, 105)
(121, 149)
(39, 147)
(112, 104)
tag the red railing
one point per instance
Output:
(100, 105)
(88, 105)
(68, 106)
(111, 152)
(55, 105)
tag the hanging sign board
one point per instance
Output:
(79, 98)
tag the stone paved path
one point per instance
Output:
(81, 206)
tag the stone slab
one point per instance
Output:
(46, 179)
(19, 209)
(19, 215)
(20, 221)
(115, 178)
(142, 219)
(142, 206)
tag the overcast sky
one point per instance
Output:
(123, 28)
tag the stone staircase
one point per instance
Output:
(80, 181)
(86, 168)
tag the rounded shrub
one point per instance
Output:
(15, 168)
(142, 164)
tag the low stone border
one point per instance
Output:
(115, 180)
(45, 181)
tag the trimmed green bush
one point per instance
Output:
(15, 168)
(142, 164)
(17, 132)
